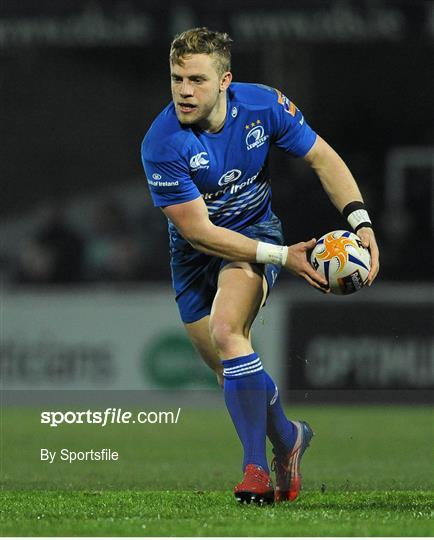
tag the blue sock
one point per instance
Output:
(246, 400)
(281, 431)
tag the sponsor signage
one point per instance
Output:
(107, 340)
(101, 23)
(229, 176)
(351, 345)
(97, 341)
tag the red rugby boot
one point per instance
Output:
(256, 486)
(287, 467)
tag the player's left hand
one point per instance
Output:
(367, 236)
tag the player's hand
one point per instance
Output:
(298, 264)
(367, 236)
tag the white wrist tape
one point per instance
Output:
(271, 254)
(357, 218)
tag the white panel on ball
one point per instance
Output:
(342, 259)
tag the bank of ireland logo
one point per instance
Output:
(199, 161)
(256, 136)
(229, 176)
(156, 176)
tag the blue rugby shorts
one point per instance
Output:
(195, 275)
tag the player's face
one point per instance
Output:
(197, 89)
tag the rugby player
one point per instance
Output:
(205, 158)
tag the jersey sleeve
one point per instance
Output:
(169, 180)
(291, 132)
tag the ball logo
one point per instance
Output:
(156, 176)
(229, 177)
(342, 259)
(336, 248)
(255, 137)
(199, 161)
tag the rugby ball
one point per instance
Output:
(341, 258)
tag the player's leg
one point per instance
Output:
(235, 306)
(250, 391)
(198, 333)
(280, 430)
(284, 434)
(238, 297)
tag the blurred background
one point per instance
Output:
(84, 255)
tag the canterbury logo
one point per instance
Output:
(335, 248)
(199, 161)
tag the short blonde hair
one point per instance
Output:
(202, 41)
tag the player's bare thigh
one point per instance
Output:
(236, 304)
(241, 290)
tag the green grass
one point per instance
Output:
(183, 513)
(369, 472)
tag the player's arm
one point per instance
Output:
(192, 221)
(342, 189)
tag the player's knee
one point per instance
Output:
(224, 335)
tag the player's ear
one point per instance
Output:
(225, 80)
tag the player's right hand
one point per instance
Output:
(298, 264)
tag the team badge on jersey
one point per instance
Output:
(288, 105)
(256, 136)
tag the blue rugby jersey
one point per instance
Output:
(229, 168)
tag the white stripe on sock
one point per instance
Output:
(241, 369)
(244, 372)
(236, 368)
(260, 368)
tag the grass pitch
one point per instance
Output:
(369, 472)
